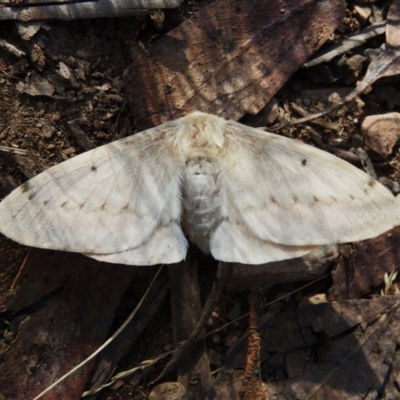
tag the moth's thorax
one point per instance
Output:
(199, 198)
(199, 135)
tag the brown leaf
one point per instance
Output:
(66, 304)
(229, 59)
(371, 259)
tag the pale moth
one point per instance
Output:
(239, 193)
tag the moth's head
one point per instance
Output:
(199, 130)
(199, 117)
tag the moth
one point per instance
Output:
(239, 193)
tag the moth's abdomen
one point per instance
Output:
(200, 211)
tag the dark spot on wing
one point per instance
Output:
(45, 202)
(24, 187)
(334, 199)
(371, 182)
(63, 204)
(81, 205)
(103, 206)
(93, 168)
(295, 199)
(316, 199)
(352, 197)
(31, 196)
(272, 199)
(304, 162)
(125, 207)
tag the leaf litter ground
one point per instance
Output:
(89, 107)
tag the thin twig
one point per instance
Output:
(12, 150)
(350, 97)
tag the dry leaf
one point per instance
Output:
(229, 59)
